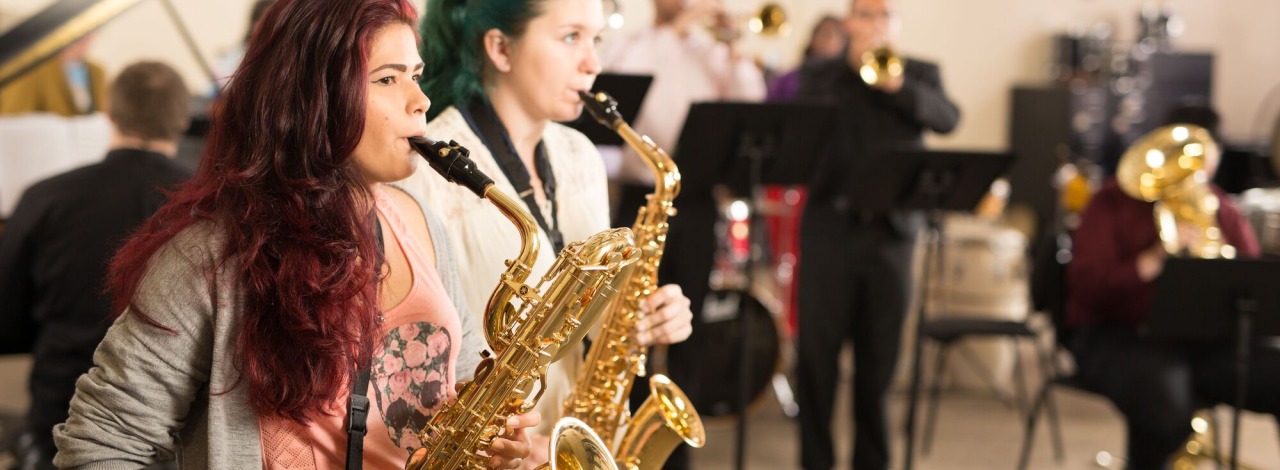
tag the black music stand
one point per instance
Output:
(1192, 294)
(932, 181)
(743, 146)
(629, 91)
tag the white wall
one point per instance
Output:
(987, 46)
(984, 46)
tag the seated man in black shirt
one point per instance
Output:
(56, 246)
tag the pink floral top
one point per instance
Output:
(412, 374)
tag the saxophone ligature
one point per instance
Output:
(525, 337)
(599, 398)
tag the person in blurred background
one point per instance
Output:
(829, 39)
(54, 250)
(67, 84)
(855, 265)
(691, 52)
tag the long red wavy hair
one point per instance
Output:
(277, 180)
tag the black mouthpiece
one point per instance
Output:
(452, 162)
(602, 107)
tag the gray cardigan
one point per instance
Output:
(154, 395)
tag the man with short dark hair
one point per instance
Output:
(55, 248)
(855, 267)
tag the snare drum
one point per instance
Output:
(981, 270)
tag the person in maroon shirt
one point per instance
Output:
(1117, 255)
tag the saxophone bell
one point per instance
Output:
(664, 421)
(574, 446)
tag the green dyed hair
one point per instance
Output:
(453, 50)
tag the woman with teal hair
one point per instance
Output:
(500, 74)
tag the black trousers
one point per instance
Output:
(1159, 386)
(855, 283)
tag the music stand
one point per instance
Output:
(933, 181)
(743, 146)
(1192, 294)
(629, 91)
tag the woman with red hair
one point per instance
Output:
(254, 302)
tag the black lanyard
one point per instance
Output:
(484, 122)
(358, 405)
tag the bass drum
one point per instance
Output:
(712, 379)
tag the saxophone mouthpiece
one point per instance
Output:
(452, 162)
(602, 107)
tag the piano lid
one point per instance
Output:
(52, 30)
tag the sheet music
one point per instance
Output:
(37, 146)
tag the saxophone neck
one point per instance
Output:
(524, 223)
(666, 176)
(499, 313)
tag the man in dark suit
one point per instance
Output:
(855, 267)
(55, 248)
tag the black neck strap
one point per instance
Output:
(358, 405)
(484, 122)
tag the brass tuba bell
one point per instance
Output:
(1167, 166)
(880, 65)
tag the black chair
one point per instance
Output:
(949, 330)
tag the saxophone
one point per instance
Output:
(599, 398)
(525, 339)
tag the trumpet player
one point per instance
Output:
(522, 72)
(855, 273)
(286, 277)
(690, 51)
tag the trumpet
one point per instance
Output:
(552, 315)
(880, 65)
(768, 21)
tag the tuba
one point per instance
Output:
(599, 398)
(880, 65)
(1167, 166)
(551, 316)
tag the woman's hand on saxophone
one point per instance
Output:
(513, 446)
(667, 317)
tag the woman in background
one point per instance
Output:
(828, 39)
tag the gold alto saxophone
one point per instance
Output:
(599, 398)
(551, 317)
